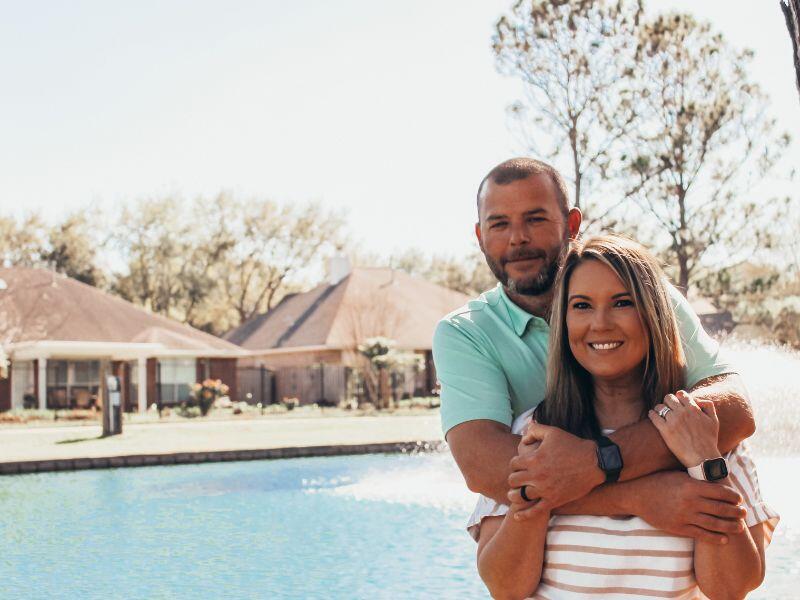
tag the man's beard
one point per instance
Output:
(529, 285)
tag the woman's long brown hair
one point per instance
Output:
(569, 400)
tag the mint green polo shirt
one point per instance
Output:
(491, 357)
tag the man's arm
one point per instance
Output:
(483, 450)
(691, 509)
(643, 450)
(564, 467)
(475, 406)
(732, 403)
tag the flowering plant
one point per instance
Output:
(204, 394)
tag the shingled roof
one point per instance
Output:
(368, 302)
(39, 305)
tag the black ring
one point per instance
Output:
(522, 493)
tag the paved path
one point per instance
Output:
(84, 441)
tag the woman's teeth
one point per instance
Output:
(606, 346)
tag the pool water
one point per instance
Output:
(376, 526)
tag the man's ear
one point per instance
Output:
(574, 218)
(478, 234)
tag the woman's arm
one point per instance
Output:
(690, 429)
(511, 553)
(732, 570)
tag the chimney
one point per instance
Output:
(338, 269)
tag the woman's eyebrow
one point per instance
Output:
(614, 297)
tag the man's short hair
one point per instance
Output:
(516, 169)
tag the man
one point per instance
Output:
(491, 358)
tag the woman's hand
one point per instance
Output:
(689, 428)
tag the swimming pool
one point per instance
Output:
(375, 526)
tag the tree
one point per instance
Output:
(153, 239)
(704, 143)
(275, 245)
(467, 274)
(22, 243)
(382, 360)
(72, 248)
(576, 60)
(69, 247)
(791, 10)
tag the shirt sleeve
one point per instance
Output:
(485, 507)
(703, 355)
(473, 386)
(742, 473)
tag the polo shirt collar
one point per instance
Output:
(519, 318)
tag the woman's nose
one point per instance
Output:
(601, 320)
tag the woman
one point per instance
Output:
(615, 352)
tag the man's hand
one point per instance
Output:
(674, 502)
(557, 467)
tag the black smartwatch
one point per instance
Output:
(609, 458)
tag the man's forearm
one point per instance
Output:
(607, 500)
(643, 450)
(496, 486)
(483, 449)
(732, 403)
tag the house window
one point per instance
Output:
(73, 383)
(133, 385)
(23, 393)
(176, 375)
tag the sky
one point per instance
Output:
(389, 111)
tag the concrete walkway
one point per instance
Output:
(57, 448)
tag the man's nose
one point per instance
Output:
(519, 236)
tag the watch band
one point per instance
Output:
(609, 458)
(696, 472)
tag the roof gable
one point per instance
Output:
(42, 305)
(368, 302)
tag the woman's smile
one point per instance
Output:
(605, 346)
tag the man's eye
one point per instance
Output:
(535, 219)
(497, 225)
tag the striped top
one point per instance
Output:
(625, 557)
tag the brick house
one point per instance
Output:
(57, 332)
(325, 325)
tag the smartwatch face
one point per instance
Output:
(715, 469)
(610, 458)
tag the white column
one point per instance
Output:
(141, 383)
(42, 375)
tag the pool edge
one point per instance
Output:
(183, 458)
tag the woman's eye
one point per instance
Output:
(580, 305)
(625, 302)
